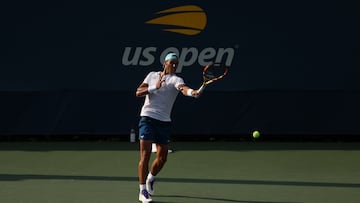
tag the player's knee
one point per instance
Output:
(144, 161)
(141, 163)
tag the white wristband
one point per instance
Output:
(189, 92)
(152, 89)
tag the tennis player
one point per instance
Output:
(161, 89)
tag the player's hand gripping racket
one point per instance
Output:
(212, 73)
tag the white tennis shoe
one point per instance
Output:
(144, 196)
(150, 186)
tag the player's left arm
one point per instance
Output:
(142, 90)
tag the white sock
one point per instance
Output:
(151, 177)
(142, 187)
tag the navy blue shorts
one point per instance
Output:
(154, 130)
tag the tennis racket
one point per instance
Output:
(212, 73)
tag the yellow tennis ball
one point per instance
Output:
(256, 134)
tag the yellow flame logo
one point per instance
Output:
(187, 20)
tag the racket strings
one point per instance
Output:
(214, 71)
(209, 75)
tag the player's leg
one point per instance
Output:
(146, 138)
(161, 158)
(157, 165)
(162, 146)
(143, 169)
(162, 139)
(145, 154)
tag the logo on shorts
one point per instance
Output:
(186, 20)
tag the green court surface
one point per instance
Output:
(221, 172)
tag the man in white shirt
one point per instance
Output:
(160, 90)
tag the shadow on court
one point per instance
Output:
(188, 199)
(20, 177)
(177, 146)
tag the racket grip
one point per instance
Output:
(201, 89)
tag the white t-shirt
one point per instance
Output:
(158, 105)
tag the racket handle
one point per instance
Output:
(201, 89)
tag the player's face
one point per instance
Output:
(171, 65)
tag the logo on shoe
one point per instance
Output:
(186, 20)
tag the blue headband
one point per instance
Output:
(171, 56)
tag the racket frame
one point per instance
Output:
(207, 81)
